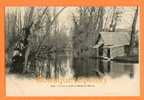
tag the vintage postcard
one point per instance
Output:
(73, 51)
(86, 51)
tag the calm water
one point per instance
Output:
(120, 78)
(67, 66)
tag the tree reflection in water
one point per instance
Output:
(99, 68)
(66, 66)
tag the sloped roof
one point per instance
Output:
(115, 38)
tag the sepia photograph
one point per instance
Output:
(72, 51)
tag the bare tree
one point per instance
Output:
(86, 29)
(26, 27)
(133, 33)
(112, 19)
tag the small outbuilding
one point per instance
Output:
(112, 44)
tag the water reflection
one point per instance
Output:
(99, 68)
(69, 67)
(55, 67)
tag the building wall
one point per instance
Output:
(105, 52)
(114, 51)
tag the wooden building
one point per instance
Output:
(111, 44)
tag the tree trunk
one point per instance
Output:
(133, 32)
